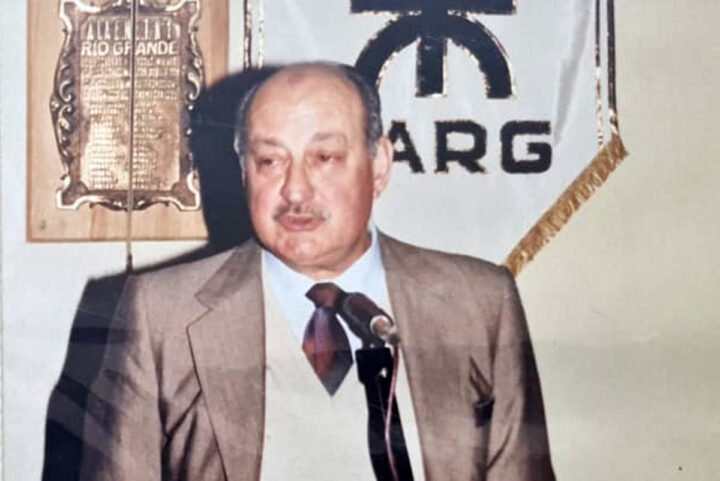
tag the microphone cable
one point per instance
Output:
(388, 414)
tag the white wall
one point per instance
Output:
(621, 304)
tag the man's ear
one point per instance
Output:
(382, 165)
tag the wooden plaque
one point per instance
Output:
(79, 59)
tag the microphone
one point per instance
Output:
(369, 319)
(360, 311)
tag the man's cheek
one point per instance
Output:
(263, 202)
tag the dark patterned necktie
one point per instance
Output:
(325, 343)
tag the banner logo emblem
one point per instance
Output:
(435, 22)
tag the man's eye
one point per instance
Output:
(327, 157)
(266, 161)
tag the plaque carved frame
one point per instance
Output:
(184, 193)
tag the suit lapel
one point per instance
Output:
(419, 304)
(228, 347)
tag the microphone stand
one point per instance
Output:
(377, 370)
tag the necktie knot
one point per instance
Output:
(324, 294)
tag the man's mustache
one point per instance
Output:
(300, 210)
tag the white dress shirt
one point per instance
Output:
(366, 275)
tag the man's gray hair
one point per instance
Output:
(369, 98)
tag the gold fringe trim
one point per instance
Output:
(581, 189)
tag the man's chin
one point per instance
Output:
(299, 252)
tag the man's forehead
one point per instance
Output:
(293, 84)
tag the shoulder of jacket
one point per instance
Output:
(444, 264)
(181, 282)
(185, 272)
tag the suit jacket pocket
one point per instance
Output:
(483, 409)
(483, 403)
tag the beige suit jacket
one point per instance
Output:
(180, 394)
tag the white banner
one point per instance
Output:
(498, 109)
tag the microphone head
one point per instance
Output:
(373, 320)
(384, 328)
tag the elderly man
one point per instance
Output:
(216, 374)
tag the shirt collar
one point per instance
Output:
(365, 275)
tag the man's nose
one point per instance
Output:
(297, 187)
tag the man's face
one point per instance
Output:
(309, 179)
